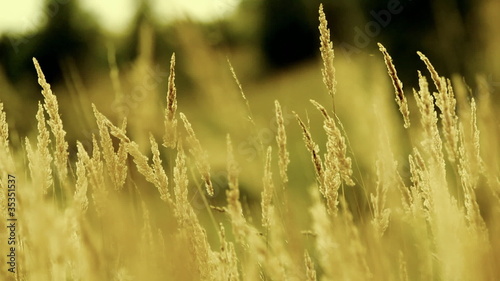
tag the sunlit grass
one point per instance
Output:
(368, 195)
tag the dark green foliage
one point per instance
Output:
(288, 35)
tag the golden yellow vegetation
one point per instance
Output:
(364, 196)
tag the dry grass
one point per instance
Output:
(425, 205)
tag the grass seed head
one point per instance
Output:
(398, 86)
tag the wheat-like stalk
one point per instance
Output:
(284, 158)
(337, 165)
(425, 103)
(4, 130)
(6, 163)
(477, 160)
(247, 104)
(113, 160)
(43, 142)
(181, 185)
(40, 162)
(327, 54)
(55, 123)
(314, 150)
(267, 193)
(170, 135)
(445, 100)
(82, 182)
(398, 86)
(381, 214)
(238, 83)
(336, 146)
(202, 256)
(161, 178)
(228, 258)
(438, 81)
(421, 198)
(234, 207)
(153, 174)
(95, 175)
(310, 270)
(199, 155)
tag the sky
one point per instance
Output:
(21, 16)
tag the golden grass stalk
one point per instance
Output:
(80, 196)
(314, 150)
(310, 271)
(154, 174)
(114, 161)
(247, 104)
(161, 178)
(4, 130)
(438, 81)
(421, 200)
(43, 141)
(476, 158)
(235, 77)
(432, 143)
(337, 165)
(232, 167)
(468, 166)
(33, 159)
(425, 103)
(469, 185)
(55, 123)
(116, 131)
(398, 86)
(327, 54)
(336, 147)
(235, 210)
(283, 159)
(95, 175)
(141, 162)
(95, 167)
(6, 161)
(181, 184)
(228, 258)
(204, 260)
(200, 156)
(381, 214)
(170, 135)
(445, 100)
(40, 162)
(267, 193)
(450, 122)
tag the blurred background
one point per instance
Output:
(263, 37)
(116, 54)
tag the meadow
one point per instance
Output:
(333, 171)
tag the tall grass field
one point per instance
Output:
(356, 178)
